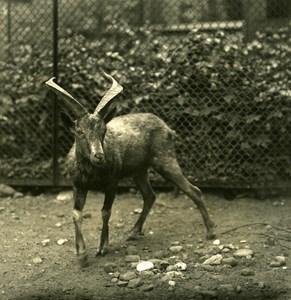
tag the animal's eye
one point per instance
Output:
(79, 132)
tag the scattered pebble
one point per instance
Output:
(216, 242)
(135, 282)
(213, 260)
(61, 241)
(159, 254)
(230, 246)
(176, 249)
(281, 260)
(247, 272)
(114, 280)
(65, 196)
(172, 283)
(132, 258)
(6, 190)
(261, 285)
(208, 268)
(121, 283)
(144, 266)
(214, 250)
(17, 195)
(137, 211)
(2, 208)
(175, 243)
(110, 267)
(119, 225)
(148, 288)
(58, 224)
(131, 250)
(275, 264)
(229, 261)
(145, 274)
(243, 241)
(181, 266)
(127, 276)
(226, 287)
(225, 250)
(115, 274)
(171, 275)
(243, 253)
(37, 260)
(45, 242)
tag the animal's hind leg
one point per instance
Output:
(149, 198)
(171, 170)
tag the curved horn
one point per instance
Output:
(65, 95)
(115, 89)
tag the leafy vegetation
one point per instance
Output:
(228, 101)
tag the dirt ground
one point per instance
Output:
(35, 266)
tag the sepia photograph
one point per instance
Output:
(145, 149)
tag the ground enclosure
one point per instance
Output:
(212, 69)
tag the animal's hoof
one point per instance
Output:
(211, 235)
(83, 260)
(101, 252)
(134, 236)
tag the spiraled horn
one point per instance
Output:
(65, 95)
(114, 90)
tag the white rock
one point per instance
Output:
(172, 283)
(216, 242)
(45, 242)
(171, 275)
(18, 195)
(281, 259)
(175, 243)
(137, 211)
(181, 266)
(65, 195)
(243, 253)
(37, 260)
(61, 241)
(144, 266)
(213, 260)
(6, 190)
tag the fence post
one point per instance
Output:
(55, 98)
(8, 28)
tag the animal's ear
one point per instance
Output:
(67, 120)
(109, 114)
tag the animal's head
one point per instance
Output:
(89, 129)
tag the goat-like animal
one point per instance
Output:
(107, 149)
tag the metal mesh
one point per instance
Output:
(217, 71)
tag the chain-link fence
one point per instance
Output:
(217, 71)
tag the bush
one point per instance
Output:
(227, 100)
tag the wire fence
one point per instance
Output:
(217, 71)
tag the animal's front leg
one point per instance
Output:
(106, 213)
(79, 202)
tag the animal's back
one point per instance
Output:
(135, 139)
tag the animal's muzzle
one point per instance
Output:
(97, 158)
